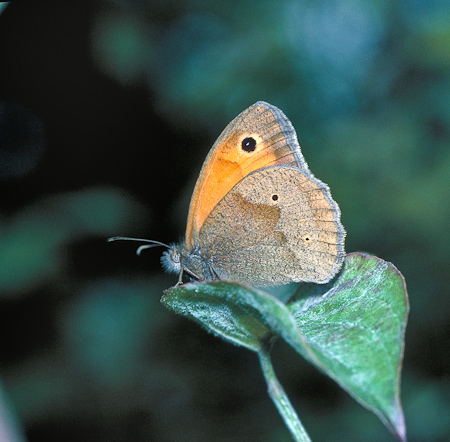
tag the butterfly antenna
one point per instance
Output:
(152, 242)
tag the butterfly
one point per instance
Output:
(257, 214)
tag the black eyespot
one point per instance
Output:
(274, 197)
(248, 144)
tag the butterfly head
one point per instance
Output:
(171, 259)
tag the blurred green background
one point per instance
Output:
(107, 111)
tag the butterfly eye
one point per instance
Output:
(248, 144)
(175, 256)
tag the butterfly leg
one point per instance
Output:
(213, 273)
(189, 272)
(180, 278)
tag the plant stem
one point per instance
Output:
(279, 398)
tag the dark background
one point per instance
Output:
(107, 110)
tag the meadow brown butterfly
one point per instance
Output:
(257, 214)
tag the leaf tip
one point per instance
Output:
(397, 424)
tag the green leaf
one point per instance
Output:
(239, 314)
(355, 328)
